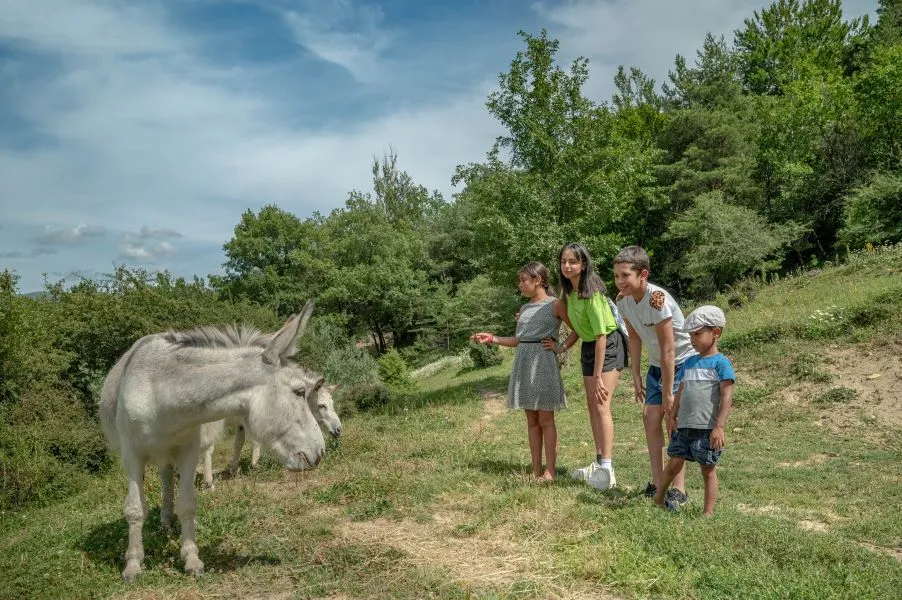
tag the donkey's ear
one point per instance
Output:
(284, 343)
(318, 383)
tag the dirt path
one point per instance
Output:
(866, 384)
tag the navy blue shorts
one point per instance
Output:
(693, 445)
(654, 388)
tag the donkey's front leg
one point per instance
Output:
(186, 508)
(135, 514)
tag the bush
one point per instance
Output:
(349, 365)
(835, 395)
(48, 448)
(725, 243)
(485, 355)
(364, 397)
(393, 370)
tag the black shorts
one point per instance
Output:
(615, 354)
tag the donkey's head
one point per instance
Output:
(323, 407)
(280, 417)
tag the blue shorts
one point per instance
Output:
(653, 384)
(693, 445)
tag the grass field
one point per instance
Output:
(431, 497)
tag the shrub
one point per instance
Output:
(48, 448)
(726, 242)
(364, 397)
(837, 394)
(349, 365)
(393, 370)
(485, 355)
(805, 366)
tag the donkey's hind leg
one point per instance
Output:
(255, 453)
(166, 475)
(235, 467)
(135, 514)
(208, 468)
(186, 508)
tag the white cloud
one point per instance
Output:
(140, 129)
(347, 34)
(145, 253)
(70, 236)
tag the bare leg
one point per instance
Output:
(549, 436)
(600, 413)
(166, 475)
(135, 514)
(534, 435)
(208, 467)
(186, 508)
(235, 467)
(652, 418)
(674, 466)
(709, 473)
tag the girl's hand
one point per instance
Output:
(550, 344)
(482, 337)
(639, 390)
(602, 393)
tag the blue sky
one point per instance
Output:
(138, 132)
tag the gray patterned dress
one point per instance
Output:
(535, 382)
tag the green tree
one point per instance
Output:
(873, 212)
(879, 92)
(274, 259)
(571, 174)
(791, 40)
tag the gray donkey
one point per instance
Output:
(156, 397)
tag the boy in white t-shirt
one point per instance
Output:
(653, 317)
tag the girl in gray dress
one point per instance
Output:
(535, 383)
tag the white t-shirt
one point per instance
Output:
(657, 305)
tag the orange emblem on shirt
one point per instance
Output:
(657, 300)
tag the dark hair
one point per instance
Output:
(589, 281)
(538, 271)
(635, 257)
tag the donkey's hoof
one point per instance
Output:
(194, 566)
(131, 572)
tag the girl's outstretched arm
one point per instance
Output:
(484, 337)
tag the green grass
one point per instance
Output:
(430, 497)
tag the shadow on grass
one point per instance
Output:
(614, 498)
(106, 544)
(506, 468)
(462, 393)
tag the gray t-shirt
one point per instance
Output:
(656, 306)
(700, 398)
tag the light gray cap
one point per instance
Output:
(704, 316)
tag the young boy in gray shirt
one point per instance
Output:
(702, 405)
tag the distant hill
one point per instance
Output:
(35, 295)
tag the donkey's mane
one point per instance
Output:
(218, 336)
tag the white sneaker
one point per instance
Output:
(585, 473)
(603, 479)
